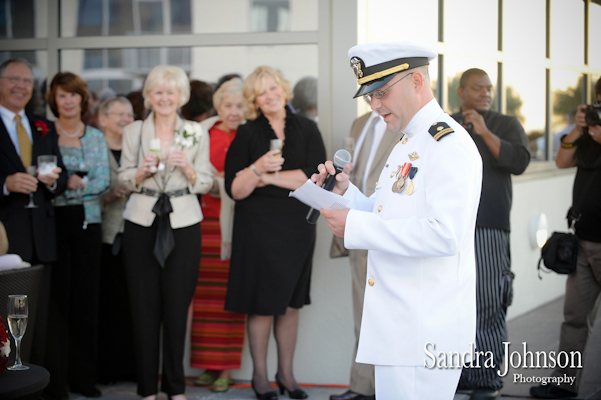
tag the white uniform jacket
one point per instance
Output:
(421, 272)
(186, 209)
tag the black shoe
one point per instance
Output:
(550, 391)
(87, 392)
(297, 393)
(350, 395)
(485, 394)
(271, 395)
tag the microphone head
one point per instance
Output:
(341, 158)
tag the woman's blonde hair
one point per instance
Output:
(253, 86)
(232, 87)
(169, 76)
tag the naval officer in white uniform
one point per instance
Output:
(418, 228)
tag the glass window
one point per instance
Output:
(594, 38)
(142, 17)
(382, 23)
(17, 21)
(566, 95)
(468, 32)
(593, 95)
(567, 31)
(520, 16)
(454, 68)
(524, 99)
(38, 60)
(124, 70)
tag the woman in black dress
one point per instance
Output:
(272, 245)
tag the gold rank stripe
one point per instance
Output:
(443, 133)
(381, 74)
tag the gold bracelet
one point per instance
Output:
(565, 145)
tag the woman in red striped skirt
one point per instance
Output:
(217, 335)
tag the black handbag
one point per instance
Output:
(559, 253)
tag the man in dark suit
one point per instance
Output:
(24, 137)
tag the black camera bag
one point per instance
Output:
(560, 253)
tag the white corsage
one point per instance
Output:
(188, 136)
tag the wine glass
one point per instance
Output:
(82, 173)
(276, 144)
(31, 170)
(46, 164)
(155, 147)
(17, 323)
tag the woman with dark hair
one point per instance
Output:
(71, 351)
(272, 244)
(200, 105)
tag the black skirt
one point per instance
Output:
(271, 263)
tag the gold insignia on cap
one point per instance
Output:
(356, 65)
(381, 74)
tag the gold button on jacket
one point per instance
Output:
(371, 282)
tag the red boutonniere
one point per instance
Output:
(41, 127)
(4, 347)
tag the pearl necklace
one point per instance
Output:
(70, 135)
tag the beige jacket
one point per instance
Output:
(186, 209)
(112, 213)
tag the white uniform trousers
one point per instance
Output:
(415, 383)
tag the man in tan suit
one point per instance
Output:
(374, 145)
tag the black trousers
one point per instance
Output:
(115, 321)
(160, 297)
(71, 347)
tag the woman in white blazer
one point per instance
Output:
(164, 163)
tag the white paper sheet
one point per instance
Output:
(318, 198)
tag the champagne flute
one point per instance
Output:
(17, 323)
(276, 144)
(31, 170)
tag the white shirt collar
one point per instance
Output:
(422, 120)
(8, 114)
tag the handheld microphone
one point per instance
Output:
(341, 160)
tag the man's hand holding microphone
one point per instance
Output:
(332, 176)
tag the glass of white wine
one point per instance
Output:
(17, 323)
(276, 144)
(31, 170)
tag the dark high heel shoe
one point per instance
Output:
(271, 395)
(293, 394)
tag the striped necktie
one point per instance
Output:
(24, 143)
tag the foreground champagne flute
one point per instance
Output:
(276, 144)
(17, 323)
(31, 171)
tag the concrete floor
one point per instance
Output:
(539, 328)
